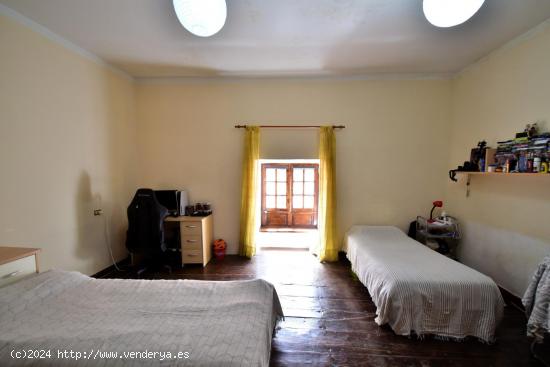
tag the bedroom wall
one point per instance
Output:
(391, 158)
(67, 143)
(505, 219)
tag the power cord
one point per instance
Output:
(108, 241)
(107, 237)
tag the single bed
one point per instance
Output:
(419, 291)
(227, 323)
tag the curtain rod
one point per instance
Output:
(291, 126)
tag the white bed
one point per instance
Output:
(217, 323)
(417, 290)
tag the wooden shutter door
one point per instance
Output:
(305, 188)
(275, 198)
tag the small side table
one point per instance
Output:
(443, 234)
(17, 263)
(196, 238)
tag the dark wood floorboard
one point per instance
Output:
(329, 318)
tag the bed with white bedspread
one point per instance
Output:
(216, 323)
(419, 291)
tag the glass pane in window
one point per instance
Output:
(298, 174)
(309, 188)
(281, 202)
(298, 188)
(270, 188)
(281, 188)
(281, 174)
(309, 174)
(308, 202)
(270, 202)
(270, 174)
(297, 202)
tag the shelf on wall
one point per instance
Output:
(516, 174)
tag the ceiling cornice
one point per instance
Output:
(20, 18)
(290, 78)
(52, 36)
(524, 37)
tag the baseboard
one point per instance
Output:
(512, 300)
(110, 269)
(281, 248)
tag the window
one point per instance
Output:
(289, 195)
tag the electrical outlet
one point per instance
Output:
(98, 212)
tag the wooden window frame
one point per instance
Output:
(289, 167)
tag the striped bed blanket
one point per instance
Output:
(537, 302)
(116, 322)
(419, 291)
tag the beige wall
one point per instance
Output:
(67, 138)
(69, 144)
(391, 158)
(506, 219)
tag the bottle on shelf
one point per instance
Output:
(536, 164)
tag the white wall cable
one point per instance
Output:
(106, 232)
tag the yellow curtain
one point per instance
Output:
(328, 250)
(247, 246)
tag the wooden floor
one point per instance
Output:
(329, 318)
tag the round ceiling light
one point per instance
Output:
(448, 13)
(203, 18)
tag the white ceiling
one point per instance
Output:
(283, 37)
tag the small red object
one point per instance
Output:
(219, 248)
(437, 204)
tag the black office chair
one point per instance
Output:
(145, 235)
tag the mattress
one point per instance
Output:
(115, 322)
(419, 291)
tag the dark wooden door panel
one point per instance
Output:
(303, 220)
(276, 219)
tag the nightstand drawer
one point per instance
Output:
(191, 256)
(17, 269)
(195, 239)
(191, 242)
(190, 228)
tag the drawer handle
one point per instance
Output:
(12, 274)
(191, 226)
(191, 255)
(191, 240)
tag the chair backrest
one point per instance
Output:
(146, 224)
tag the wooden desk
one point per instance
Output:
(17, 263)
(195, 239)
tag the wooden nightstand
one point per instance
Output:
(17, 263)
(196, 239)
